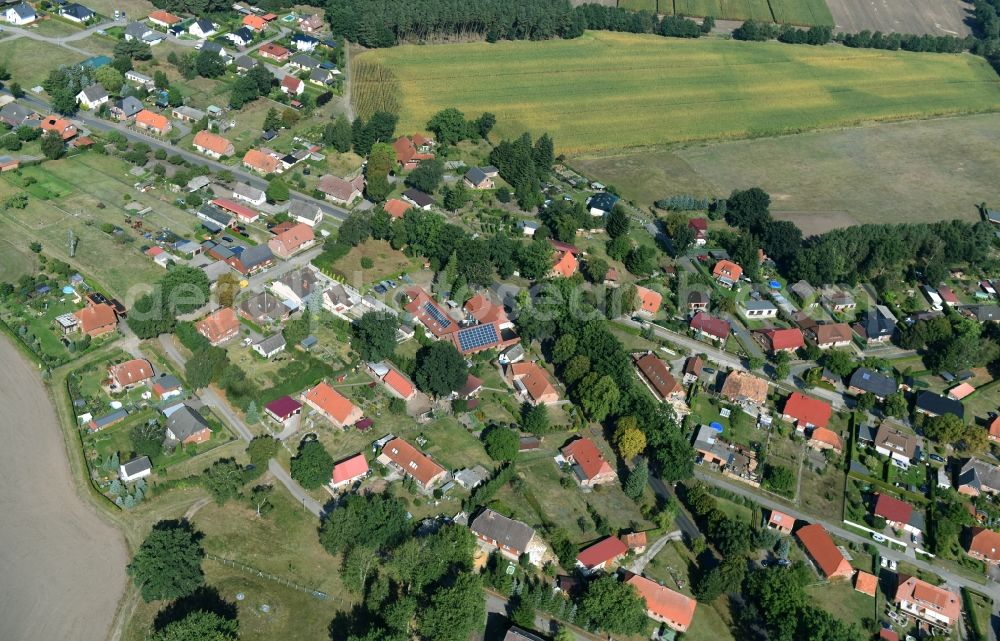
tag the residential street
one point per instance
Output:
(212, 398)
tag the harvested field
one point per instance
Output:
(937, 17)
(725, 9)
(63, 565)
(672, 90)
(823, 180)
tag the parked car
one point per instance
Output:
(878, 537)
(936, 457)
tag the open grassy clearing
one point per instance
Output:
(15, 263)
(844, 602)
(30, 61)
(673, 90)
(801, 12)
(824, 180)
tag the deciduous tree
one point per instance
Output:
(168, 563)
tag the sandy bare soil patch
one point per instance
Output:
(937, 17)
(62, 568)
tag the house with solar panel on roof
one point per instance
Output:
(482, 328)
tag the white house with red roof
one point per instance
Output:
(602, 554)
(673, 609)
(806, 413)
(349, 471)
(589, 465)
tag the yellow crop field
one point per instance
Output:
(614, 90)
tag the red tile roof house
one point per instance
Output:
(274, 52)
(656, 375)
(399, 385)
(780, 340)
(407, 460)
(219, 326)
(805, 412)
(983, 544)
(290, 242)
(61, 126)
(429, 313)
(396, 208)
(212, 145)
(649, 301)
(781, 522)
(566, 266)
(152, 122)
(262, 163)
(292, 86)
(129, 374)
(709, 327)
(589, 466)
(341, 191)
(601, 555)
(410, 152)
(332, 405)
(700, 227)
(727, 273)
(348, 471)
(282, 409)
(485, 310)
(821, 549)
(822, 438)
(97, 319)
(898, 514)
(930, 603)
(532, 382)
(673, 609)
(832, 335)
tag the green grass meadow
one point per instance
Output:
(613, 90)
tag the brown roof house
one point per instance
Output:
(832, 335)
(340, 190)
(292, 241)
(656, 375)
(589, 466)
(745, 389)
(130, 374)
(97, 319)
(983, 544)
(407, 460)
(219, 326)
(532, 383)
(895, 443)
(511, 537)
(927, 602)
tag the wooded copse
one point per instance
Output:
(861, 252)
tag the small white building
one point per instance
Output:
(202, 28)
(20, 14)
(270, 346)
(305, 212)
(93, 96)
(250, 194)
(135, 469)
(756, 309)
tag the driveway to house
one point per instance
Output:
(215, 400)
(641, 561)
(20, 32)
(258, 280)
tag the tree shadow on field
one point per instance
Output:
(204, 599)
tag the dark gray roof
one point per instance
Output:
(271, 343)
(253, 256)
(604, 201)
(213, 47)
(936, 404)
(246, 62)
(248, 191)
(213, 214)
(305, 60)
(301, 281)
(877, 383)
(205, 25)
(320, 75)
(185, 422)
(137, 29)
(302, 208)
(137, 465)
(244, 33)
(15, 113)
(108, 419)
(95, 92)
(129, 106)
(517, 634)
(877, 325)
(976, 474)
(984, 313)
(419, 197)
(475, 175)
(493, 525)
(301, 37)
(263, 306)
(23, 10)
(168, 381)
(77, 11)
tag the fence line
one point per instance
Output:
(323, 596)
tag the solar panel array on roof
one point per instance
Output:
(436, 314)
(472, 338)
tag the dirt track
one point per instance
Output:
(62, 568)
